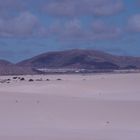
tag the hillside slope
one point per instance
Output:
(8, 68)
(87, 59)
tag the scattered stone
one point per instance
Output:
(107, 122)
(59, 79)
(22, 79)
(31, 80)
(15, 77)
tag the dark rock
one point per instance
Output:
(59, 79)
(31, 80)
(22, 79)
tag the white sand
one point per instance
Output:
(91, 107)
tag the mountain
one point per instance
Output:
(8, 68)
(70, 59)
(81, 59)
(4, 63)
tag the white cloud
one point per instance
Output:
(74, 31)
(24, 25)
(83, 7)
(134, 23)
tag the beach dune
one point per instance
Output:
(77, 107)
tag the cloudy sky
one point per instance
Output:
(30, 27)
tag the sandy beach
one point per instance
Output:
(70, 107)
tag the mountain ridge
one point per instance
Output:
(70, 59)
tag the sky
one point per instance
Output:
(32, 27)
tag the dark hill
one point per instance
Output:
(87, 59)
(8, 68)
(5, 63)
